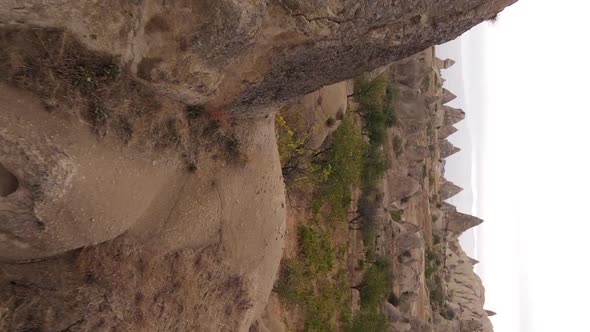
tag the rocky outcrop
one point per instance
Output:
(448, 189)
(447, 149)
(465, 292)
(444, 64)
(446, 131)
(249, 55)
(447, 96)
(448, 63)
(452, 115)
(401, 187)
(415, 153)
(459, 222)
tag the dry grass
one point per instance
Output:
(117, 287)
(92, 87)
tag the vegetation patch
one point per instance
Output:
(309, 280)
(375, 289)
(341, 168)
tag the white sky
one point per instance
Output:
(534, 163)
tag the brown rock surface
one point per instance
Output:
(448, 189)
(446, 131)
(460, 222)
(447, 96)
(466, 294)
(447, 149)
(452, 115)
(255, 53)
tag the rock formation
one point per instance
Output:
(444, 64)
(117, 218)
(446, 131)
(458, 222)
(447, 149)
(448, 189)
(248, 55)
(452, 115)
(448, 96)
(466, 295)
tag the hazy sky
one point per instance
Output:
(526, 82)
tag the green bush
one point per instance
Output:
(396, 215)
(376, 283)
(369, 320)
(371, 93)
(316, 249)
(308, 281)
(343, 167)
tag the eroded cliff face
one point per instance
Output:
(91, 91)
(253, 54)
(435, 286)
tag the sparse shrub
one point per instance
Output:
(371, 93)
(98, 112)
(342, 166)
(315, 249)
(376, 283)
(435, 239)
(396, 215)
(369, 320)
(308, 281)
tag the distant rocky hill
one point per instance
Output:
(431, 271)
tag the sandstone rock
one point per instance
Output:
(410, 72)
(448, 96)
(412, 110)
(441, 324)
(392, 313)
(460, 222)
(401, 187)
(447, 149)
(415, 153)
(466, 295)
(408, 241)
(416, 171)
(254, 53)
(448, 189)
(448, 63)
(452, 115)
(444, 64)
(401, 327)
(446, 131)
(419, 325)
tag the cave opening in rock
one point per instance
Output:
(8, 182)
